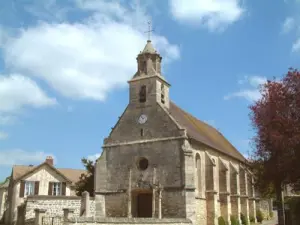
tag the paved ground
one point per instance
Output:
(271, 222)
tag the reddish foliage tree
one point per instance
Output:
(276, 120)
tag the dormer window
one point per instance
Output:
(143, 94)
(162, 96)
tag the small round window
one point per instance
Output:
(143, 163)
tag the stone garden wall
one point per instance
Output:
(132, 221)
(54, 205)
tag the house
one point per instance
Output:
(41, 180)
(3, 197)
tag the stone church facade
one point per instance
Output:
(161, 162)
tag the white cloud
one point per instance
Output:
(255, 81)
(214, 14)
(252, 93)
(6, 120)
(85, 60)
(17, 92)
(21, 157)
(288, 24)
(3, 135)
(93, 157)
(296, 46)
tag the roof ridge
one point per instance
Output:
(68, 168)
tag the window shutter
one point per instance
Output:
(50, 188)
(36, 188)
(22, 189)
(63, 189)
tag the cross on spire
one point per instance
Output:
(149, 30)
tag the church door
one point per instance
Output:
(144, 205)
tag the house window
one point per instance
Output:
(29, 188)
(56, 189)
(143, 93)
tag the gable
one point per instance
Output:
(158, 125)
(45, 172)
(25, 172)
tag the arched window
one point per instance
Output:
(145, 67)
(198, 175)
(143, 93)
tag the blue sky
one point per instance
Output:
(64, 66)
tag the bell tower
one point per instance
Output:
(148, 87)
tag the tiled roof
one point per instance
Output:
(204, 133)
(72, 174)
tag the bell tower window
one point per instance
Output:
(145, 67)
(162, 95)
(142, 94)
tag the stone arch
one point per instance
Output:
(198, 174)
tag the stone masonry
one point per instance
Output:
(54, 205)
(157, 161)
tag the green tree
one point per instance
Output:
(86, 180)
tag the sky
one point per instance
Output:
(64, 67)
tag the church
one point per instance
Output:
(159, 161)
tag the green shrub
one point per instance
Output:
(234, 220)
(259, 216)
(244, 219)
(271, 214)
(252, 219)
(221, 221)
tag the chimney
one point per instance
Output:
(49, 160)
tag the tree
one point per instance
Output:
(276, 121)
(86, 180)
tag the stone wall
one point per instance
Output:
(29, 221)
(3, 194)
(54, 205)
(136, 221)
(173, 204)
(201, 214)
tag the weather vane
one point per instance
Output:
(149, 30)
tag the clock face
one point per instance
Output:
(142, 119)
